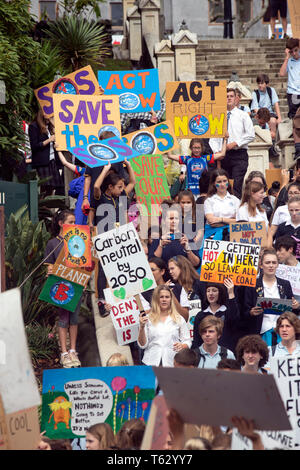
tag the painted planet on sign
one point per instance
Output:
(199, 124)
(62, 293)
(129, 101)
(76, 246)
(144, 143)
(65, 86)
(112, 129)
(102, 152)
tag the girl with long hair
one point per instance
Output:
(100, 437)
(162, 332)
(251, 209)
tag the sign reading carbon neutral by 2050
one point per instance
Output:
(124, 262)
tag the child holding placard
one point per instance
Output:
(66, 319)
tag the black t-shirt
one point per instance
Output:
(288, 230)
(174, 248)
(55, 244)
(110, 210)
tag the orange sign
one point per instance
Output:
(77, 244)
(237, 261)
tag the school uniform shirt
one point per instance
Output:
(281, 215)
(210, 362)
(116, 215)
(280, 350)
(226, 207)
(174, 248)
(243, 214)
(264, 100)
(293, 71)
(269, 321)
(160, 339)
(195, 167)
(291, 230)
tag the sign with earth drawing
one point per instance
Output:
(198, 108)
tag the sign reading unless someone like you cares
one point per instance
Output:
(198, 108)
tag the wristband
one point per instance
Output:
(85, 197)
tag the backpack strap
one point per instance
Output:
(257, 95)
(270, 94)
(273, 349)
(223, 352)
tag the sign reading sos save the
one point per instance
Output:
(81, 82)
(138, 90)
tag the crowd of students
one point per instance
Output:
(229, 330)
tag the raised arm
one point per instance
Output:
(132, 179)
(283, 68)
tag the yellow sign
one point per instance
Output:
(80, 119)
(197, 109)
(81, 82)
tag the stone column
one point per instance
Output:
(135, 33)
(258, 151)
(150, 10)
(184, 42)
(165, 63)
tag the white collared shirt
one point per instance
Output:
(281, 215)
(269, 321)
(281, 350)
(208, 361)
(243, 214)
(240, 130)
(160, 339)
(222, 207)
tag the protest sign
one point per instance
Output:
(253, 396)
(20, 430)
(18, 386)
(151, 185)
(153, 139)
(61, 293)
(292, 274)
(270, 440)
(195, 307)
(138, 90)
(237, 261)
(124, 262)
(274, 306)
(198, 108)
(75, 399)
(80, 82)
(294, 10)
(102, 152)
(125, 318)
(80, 120)
(77, 275)
(157, 429)
(273, 174)
(249, 232)
(77, 245)
(286, 370)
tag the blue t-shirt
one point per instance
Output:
(264, 100)
(293, 70)
(195, 167)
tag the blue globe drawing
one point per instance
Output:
(65, 87)
(76, 246)
(199, 124)
(109, 129)
(129, 101)
(66, 296)
(144, 143)
(102, 152)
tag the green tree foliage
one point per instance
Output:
(81, 7)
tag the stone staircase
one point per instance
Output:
(247, 57)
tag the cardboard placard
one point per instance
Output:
(80, 119)
(286, 370)
(198, 108)
(271, 440)
(238, 261)
(153, 139)
(18, 386)
(253, 396)
(75, 399)
(77, 245)
(292, 274)
(254, 233)
(22, 430)
(138, 90)
(124, 262)
(61, 293)
(102, 152)
(125, 318)
(272, 175)
(151, 183)
(157, 429)
(274, 306)
(294, 10)
(80, 82)
(77, 275)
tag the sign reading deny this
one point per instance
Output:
(249, 232)
(124, 262)
(238, 261)
(197, 109)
